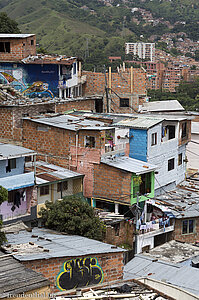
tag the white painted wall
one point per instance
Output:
(122, 132)
(160, 154)
(193, 148)
(143, 241)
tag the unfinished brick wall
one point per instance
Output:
(52, 142)
(123, 84)
(11, 118)
(112, 183)
(87, 104)
(111, 264)
(120, 233)
(19, 48)
(187, 238)
(58, 146)
(6, 123)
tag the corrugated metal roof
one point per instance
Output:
(15, 279)
(169, 105)
(182, 276)
(14, 35)
(46, 172)
(12, 151)
(17, 181)
(129, 164)
(72, 123)
(140, 122)
(59, 245)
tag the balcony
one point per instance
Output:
(114, 149)
(151, 229)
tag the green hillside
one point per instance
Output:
(93, 31)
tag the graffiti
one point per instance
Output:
(79, 272)
(31, 80)
(38, 88)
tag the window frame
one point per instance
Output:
(169, 167)
(89, 141)
(188, 226)
(124, 102)
(179, 159)
(154, 139)
(184, 130)
(64, 185)
(170, 129)
(5, 46)
(44, 190)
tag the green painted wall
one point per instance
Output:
(135, 187)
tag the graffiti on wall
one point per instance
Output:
(79, 272)
(32, 81)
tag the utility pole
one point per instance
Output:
(106, 91)
(137, 217)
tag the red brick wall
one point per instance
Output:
(19, 49)
(88, 104)
(187, 238)
(111, 183)
(111, 264)
(11, 118)
(6, 123)
(120, 84)
(124, 235)
(54, 142)
(58, 143)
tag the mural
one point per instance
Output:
(79, 272)
(32, 80)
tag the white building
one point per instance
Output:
(142, 50)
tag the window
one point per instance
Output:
(171, 164)
(5, 47)
(179, 159)
(124, 102)
(11, 165)
(90, 141)
(184, 130)
(44, 190)
(32, 42)
(62, 186)
(154, 139)
(145, 185)
(171, 132)
(188, 226)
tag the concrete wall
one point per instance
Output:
(18, 170)
(193, 152)
(24, 207)
(160, 154)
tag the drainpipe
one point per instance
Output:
(34, 159)
(76, 147)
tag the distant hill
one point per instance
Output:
(91, 29)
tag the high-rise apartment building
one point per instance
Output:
(142, 50)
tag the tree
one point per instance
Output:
(73, 216)
(7, 25)
(3, 197)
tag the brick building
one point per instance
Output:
(126, 89)
(14, 106)
(53, 255)
(14, 47)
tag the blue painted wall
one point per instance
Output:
(31, 79)
(19, 168)
(138, 144)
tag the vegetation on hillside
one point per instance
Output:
(73, 216)
(7, 25)
(187, 94)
